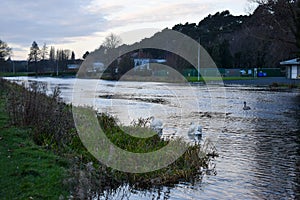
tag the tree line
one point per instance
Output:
(39, 59)
(42, 59)
(261, 39)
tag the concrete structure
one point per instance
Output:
(292, 68)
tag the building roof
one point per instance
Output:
(295, 61)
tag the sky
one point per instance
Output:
(81, 25)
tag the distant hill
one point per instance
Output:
(261, 40)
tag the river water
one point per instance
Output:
(259, 149)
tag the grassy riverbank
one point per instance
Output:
(27, 171)
(42, 155)
(128, 77)
(40, 74)
(195, 78)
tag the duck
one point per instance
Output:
(195, 132)
(246, 107)
(156, 125)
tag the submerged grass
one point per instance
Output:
(291, 85)
(47, 150)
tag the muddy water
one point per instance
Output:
(259, 149)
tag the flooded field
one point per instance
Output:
(259, 148)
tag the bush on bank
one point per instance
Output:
(53, 128)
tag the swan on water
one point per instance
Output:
(156, 125)
(195, 132)
(246, 107)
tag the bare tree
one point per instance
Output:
(66, 54)
(5, 51)
(112, 41)
(52, 53)
(44, 52)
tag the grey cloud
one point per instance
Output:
(164, 12)
(49, 21)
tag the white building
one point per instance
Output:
(292, 68)
(144, 63)
(73, 66)
(98, 67)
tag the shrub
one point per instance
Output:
(51, 119)
(53, 126)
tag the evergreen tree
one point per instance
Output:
(34, 55)
(297, 32)
(73, 56)
(225, 55)
(85, 54)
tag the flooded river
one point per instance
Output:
(259, 149)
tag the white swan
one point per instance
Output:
(195, 132)
(246, 107)
(157, 126)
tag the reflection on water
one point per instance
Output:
(259, 149)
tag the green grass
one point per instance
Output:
(11, 74)
(43, 74)
(195, 78)
(185, 168)
(27, 171)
